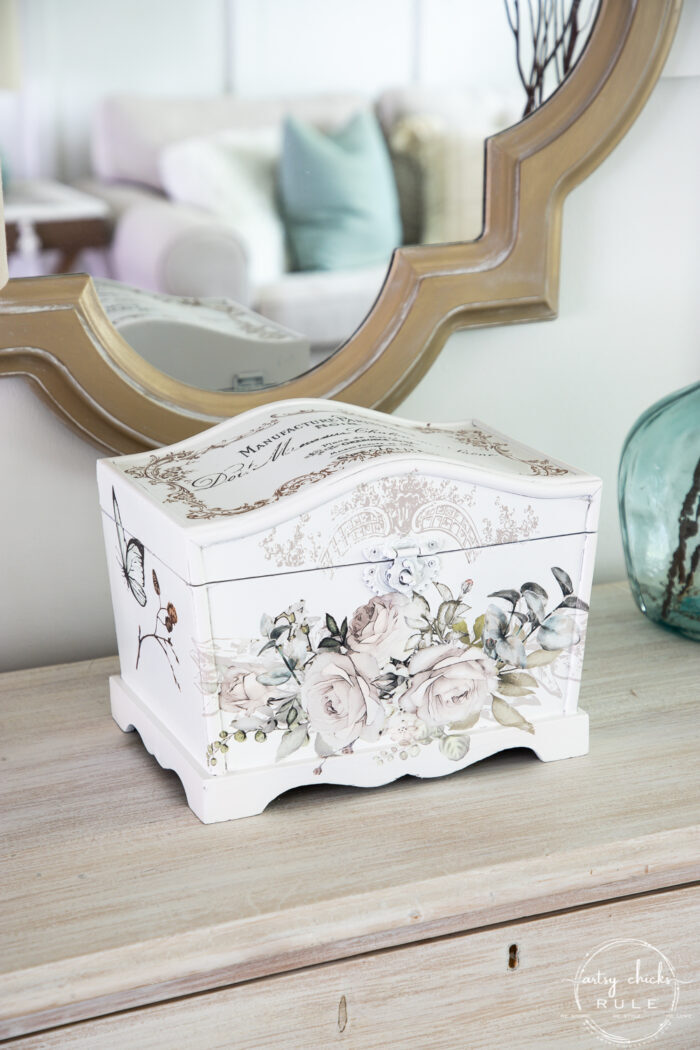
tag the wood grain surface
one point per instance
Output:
(113, 894)
(447, 994)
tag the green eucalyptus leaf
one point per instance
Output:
(322, 748)
(535, 604)
(534, 588)
(467, 723)
(418, 625)
(291, 741)
(331, 624)
(512, 690)
(506, 715)
(447, 611)
(510, 596)
(563, 579)
(273, 677)
(519, 678)
(541, 657)
(462, 628)
(572, 602)
(330, 643)
(292, 716)
(444, 592)
(454, 747)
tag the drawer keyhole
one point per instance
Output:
(513, 959)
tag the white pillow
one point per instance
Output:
(233, 174)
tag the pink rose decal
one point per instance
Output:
(380, 627)
(240, 691)
(449, 684)
(341, 701)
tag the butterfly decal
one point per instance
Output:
(131, 555)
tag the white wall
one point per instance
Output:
(54, 594)
(308, 46)
(278, 46)
(74, 52)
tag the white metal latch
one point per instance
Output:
(411, 568)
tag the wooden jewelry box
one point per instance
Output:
(313, 592)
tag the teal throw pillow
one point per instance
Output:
(338, 195)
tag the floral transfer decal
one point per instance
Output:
(166, 618)
(414, 672)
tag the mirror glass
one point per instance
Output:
(235, 175)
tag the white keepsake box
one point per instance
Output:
(313, 592)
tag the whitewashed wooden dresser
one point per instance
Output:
(445, 914)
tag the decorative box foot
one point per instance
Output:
(210, 798)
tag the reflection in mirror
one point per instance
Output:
(246, 199)
(549, 36)
(213, 344)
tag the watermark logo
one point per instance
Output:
(626, 992)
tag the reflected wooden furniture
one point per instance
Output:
(340, 916)
(43, 215)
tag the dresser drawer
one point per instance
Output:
(515, 982)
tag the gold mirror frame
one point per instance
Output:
(54, 332)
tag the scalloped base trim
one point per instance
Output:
(244, 793)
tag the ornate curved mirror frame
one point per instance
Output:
(54, 331)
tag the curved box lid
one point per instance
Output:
(258, 470)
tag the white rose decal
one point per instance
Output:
(240, 691)
(449, 684)
(380, 629)
(340, 699)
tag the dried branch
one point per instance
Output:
(556, 33)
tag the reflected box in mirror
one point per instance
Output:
(210, 344)
(317, 593)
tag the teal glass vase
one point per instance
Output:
(659, 497)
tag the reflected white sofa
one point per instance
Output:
(169, 247)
